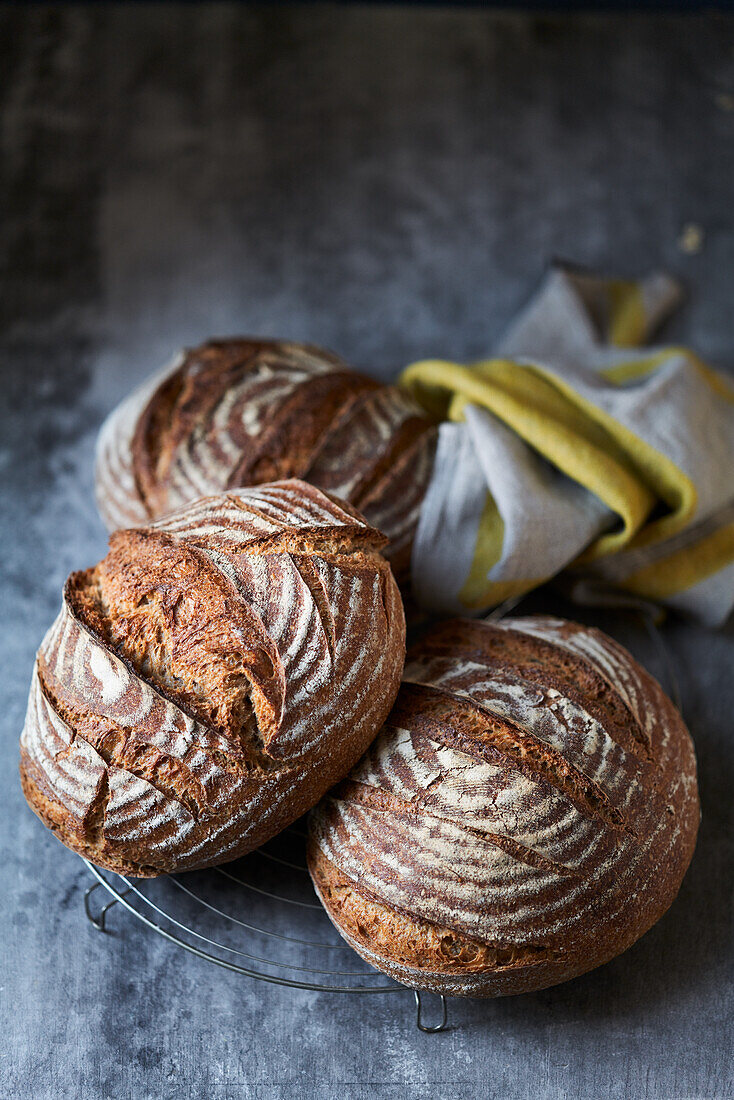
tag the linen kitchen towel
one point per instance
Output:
(575, 450)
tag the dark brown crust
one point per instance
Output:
(410, 941)
(296, 430)
(426, 956)
(300, 433)
(545, 664)
(628, 851)
(63, 826)
(169, 725)
(466, 726)
(405, 481)
(186, 399)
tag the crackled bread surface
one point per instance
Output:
(527, 812)
(241, 412)
(207, 681)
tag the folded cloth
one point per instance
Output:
(570, 451)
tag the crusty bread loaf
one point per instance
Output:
(527, 812)
(241, 412)
(211, 678)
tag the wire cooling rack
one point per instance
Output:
(258, 917)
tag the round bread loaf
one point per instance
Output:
(210, 679)
(527, 812)
(242, 412)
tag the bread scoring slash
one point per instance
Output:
(528, 811)
(207, 681)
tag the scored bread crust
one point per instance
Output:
(206, 682)
(242, 412)
(527, 812)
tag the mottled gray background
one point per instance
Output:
(390, 183)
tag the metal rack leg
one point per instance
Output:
(98, 922)
(432, 1029)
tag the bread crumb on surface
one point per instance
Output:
(691, 239)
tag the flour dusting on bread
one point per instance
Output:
(205, 683)
(527, 812)
(242, 412)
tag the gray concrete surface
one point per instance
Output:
(390, 183)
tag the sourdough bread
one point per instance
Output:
(527, 812)
(241, 412)
(210, 679)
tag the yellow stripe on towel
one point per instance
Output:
(627, 315)
(685, 568)
(578, 438)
